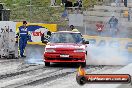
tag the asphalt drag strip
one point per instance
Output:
(30, 72)
(46, 75)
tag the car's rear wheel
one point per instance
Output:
(86, 53)
(83, 64)
(47, 63)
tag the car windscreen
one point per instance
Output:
(66, 38)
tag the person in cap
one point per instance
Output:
(73, 28)
(23, 38)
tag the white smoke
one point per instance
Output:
(105, 56)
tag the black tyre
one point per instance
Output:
(47, 63)
(86, 53)
(83, 64)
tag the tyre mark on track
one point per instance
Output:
(12, 74)
(25, 80)
(49, 76)
(3, 61)
(47, 79)
(50, 79)
(53, 76)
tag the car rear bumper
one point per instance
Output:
(73, 57)
(64, 61)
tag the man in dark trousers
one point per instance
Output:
(23, 38)
(125, 3)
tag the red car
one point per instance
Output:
(65, 47)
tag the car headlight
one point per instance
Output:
(49, 50)
(79, 50)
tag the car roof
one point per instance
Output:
(65, 32)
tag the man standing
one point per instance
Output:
(113, 25)
(23, 37)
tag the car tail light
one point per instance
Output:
(50, 50)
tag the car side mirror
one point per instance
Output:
(86, 42)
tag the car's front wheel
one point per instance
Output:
(47, 63)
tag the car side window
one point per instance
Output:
(78, 38)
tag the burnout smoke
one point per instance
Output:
(105, 56)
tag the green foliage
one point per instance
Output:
(40, 10)
(88, 3)
(8, 2)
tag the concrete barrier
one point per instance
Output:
(101, 13)
(122, 4)
(94, 19)
(105, 19)
(109, 8)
